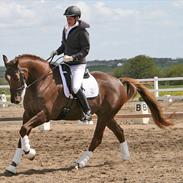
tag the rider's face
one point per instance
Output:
(71, 20)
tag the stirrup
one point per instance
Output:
(87, 119)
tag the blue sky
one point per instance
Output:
(119, 28)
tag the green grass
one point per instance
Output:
(4, 91)
(163, 93)
(173, 93)
(171, 86)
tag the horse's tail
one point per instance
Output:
(149, 98)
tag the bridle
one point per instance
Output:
(22, 78)
(22, 82)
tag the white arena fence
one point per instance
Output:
(4, 86)
(155, 80)
(140, 111)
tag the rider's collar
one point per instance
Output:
(67, 27)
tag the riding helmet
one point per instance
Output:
(73, 11)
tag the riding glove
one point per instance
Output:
(68, 58)
(53, 53)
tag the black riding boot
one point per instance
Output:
(84, 105)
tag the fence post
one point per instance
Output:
(44, 127)
(156, 86)
(3, 100)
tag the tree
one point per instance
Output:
(174, 71)
(138, 67)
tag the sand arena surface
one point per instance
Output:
(156, 154)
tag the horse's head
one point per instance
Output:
(15, 79)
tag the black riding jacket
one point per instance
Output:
(77, 43)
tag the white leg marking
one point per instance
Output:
(29, 152)
(31, 155)
(18, 156)
(11, 169)
(25, 143)
(124, 151)
(16, 159)
(82, 161)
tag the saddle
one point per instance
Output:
(89, 84)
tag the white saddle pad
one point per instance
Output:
(89, 85)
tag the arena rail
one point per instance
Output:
(4, 86)
(119, 116)
(156, 80)
(133, 115)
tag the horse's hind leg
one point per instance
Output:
(96, 141)
(119, 133)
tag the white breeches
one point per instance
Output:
(77, 76)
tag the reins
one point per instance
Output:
(45, 75)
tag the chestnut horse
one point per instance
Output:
(44, 100)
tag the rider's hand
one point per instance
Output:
(53, 53)
(68, 58)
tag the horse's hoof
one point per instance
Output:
(31, 154)
(71, 166)
(76, 166)
(83, 160)
(10, 170)
(126, 157)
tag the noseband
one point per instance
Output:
(22, 87)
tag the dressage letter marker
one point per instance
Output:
(141, 108)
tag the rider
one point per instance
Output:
(75, 45)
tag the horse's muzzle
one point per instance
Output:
(16, 100)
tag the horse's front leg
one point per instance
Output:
(23, 144)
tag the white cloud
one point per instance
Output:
(115, 25)
(104, 10)
(13, 14)
(156, 13)
(42, 1)
(129, 14)
(178, 3)
(126, 12)
(85, 9)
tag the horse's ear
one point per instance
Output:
(5, 59)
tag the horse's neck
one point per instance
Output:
(34, 69)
